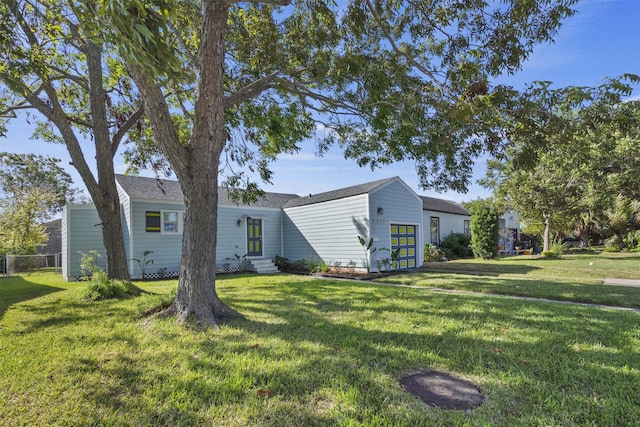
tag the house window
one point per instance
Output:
(171, 223)
(153, 221)
(435, 230)
(467, 227)
(165, 222)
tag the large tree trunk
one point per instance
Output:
(199, 180)
(196, 166)
(196, 294)
(112, 236)
(104, 192)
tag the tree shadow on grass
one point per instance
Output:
(331, 353)
(367, 360)
(477, 269)
(18, 289)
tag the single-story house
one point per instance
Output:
(442, 218)
(321, 226)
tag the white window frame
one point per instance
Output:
(179, 225)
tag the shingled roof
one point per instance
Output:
(337, 194)
(440, 205)
(168, 190)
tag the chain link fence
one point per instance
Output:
(14, 264)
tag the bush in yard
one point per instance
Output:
(632, 241)
(433, 254)
(282, 263)
(100, 287)
(612, 244)
(456, 245)
(484, 229)
(556, 250)
(109, 289)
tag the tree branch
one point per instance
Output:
(250, 91)
(126, 126)
(53, 110)
(10, 112)
(193, 59)
(396, 49)
(178, 94)
(161, 124)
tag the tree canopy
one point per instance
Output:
(81, 94)
(237, 83)
(32, 189)
(249, 80)
(389, 81)
(572, 152)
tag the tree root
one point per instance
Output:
(204, 315)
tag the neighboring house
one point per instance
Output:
(323, 226)
(442, 218)
(509, 232)
(54, 240)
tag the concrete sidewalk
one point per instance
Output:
(622, 282)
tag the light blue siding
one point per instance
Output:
(232, 238)
(400, 205)
(449, 224)
(166, 248)
(327, 230)
(80, 235)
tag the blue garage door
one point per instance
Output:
(404, 240)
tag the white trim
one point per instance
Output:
(250, 208)
(431, 232)
(324, 203)
(394, 180)
(179, 224)
(368, 220)
(157, 201)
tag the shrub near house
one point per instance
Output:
(456, 245)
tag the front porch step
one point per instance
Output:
(263, 266)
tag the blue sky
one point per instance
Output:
(601, 40)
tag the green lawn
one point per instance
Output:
(311, 352)
(574, 277)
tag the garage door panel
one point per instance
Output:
(404, 240)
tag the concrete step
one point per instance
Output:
(264, 266)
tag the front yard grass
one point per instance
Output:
(310, 352)
(574, 277)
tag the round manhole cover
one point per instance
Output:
(443, 390)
